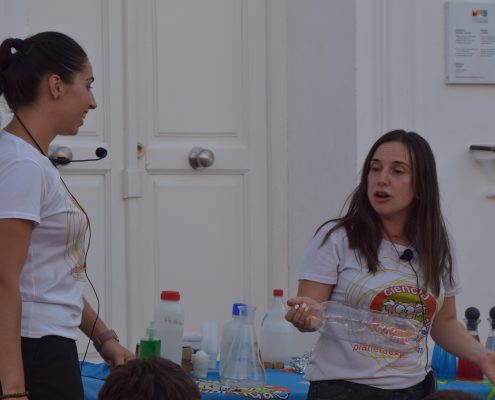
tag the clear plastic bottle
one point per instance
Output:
(366, 326)
(490, 340)
(149, 346)
(467, 370)
(277, 334)
(243, 367)
(228, 332)
(169, 322)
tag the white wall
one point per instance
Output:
(321, 117)
(321, 124)
(456, 116)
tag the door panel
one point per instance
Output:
(198, 225)
(197, 78)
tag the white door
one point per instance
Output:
(171, 75)
(196, 78)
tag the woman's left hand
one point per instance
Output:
(115, 354)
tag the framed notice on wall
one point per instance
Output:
(470, 42)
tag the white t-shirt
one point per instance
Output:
(52, 278)
(392, 289)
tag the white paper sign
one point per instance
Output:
(470, 42)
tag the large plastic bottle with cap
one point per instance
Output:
(169, 324)
(229, 331)
(277, 334)
(490, 340)
(468, 370)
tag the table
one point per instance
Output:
(281, 385)
(482, 389)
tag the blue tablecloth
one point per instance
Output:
(483, 389)
(281, 385)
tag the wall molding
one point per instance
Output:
(389, 69)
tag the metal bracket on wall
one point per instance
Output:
(485, 155)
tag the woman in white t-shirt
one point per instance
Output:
(46, 81)
(389, 253)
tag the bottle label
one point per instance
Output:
(172, 321)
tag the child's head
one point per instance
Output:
(149, 379)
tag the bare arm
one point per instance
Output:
(451, 335)
(15, 236)
(308, 293)
(111, 351)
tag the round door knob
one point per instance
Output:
(201, 158)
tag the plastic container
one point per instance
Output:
(243, 367)
(169, 322)
(149, 346)
(467, 370)
(277, 334)
(192, 340)
(211, 342)
(367, 327)
(490, 340)
(443, 363)
(229, 330)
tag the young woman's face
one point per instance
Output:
(77, 100)
(390, 181)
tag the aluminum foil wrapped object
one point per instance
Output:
(299, 363)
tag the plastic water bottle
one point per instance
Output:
(228, 333)
(169, 322)
(468, 370)
(365, 326)
(490, 340)
(277, 334)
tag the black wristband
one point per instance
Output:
(14, 395)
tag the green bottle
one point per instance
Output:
(150, 345)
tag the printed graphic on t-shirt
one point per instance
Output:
(399, 297)
(75, 256)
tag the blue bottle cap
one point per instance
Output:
(235, 308)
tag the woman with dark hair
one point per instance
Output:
(149, 379)
(46, 81)
(389, 253)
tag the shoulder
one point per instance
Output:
(22, 166)
(328, 233)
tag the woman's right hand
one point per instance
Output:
(301, 313)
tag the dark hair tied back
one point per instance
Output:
(24, 63)
(17, 44)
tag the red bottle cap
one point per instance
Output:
(169, 295)
(278, 292)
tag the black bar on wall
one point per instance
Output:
(482, 147)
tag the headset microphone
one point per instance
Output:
(60, 160)
(407, 255)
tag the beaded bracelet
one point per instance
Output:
(14, 395)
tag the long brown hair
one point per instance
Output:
(425, 228)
